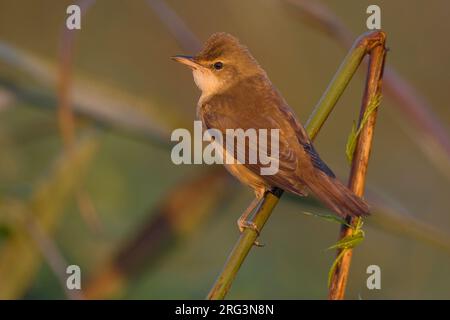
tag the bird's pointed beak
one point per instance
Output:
(186, 60)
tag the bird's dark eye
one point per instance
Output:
(218, 65)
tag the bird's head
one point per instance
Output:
(222, 63)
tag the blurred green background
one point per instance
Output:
(121, 66)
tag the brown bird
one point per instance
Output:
(237, 93)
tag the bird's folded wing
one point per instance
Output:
(220, 116)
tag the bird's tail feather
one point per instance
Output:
(336, 196)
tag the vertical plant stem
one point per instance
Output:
(321, 112)
(360, 160)
(428, 130)
(66, 117)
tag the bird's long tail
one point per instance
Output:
(336, 196)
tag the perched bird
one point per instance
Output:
(237, 93)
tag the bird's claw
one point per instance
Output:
(245, 224)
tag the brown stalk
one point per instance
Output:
(377, 52)
(66, 117)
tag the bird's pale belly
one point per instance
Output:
(248, 178)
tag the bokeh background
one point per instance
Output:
(110, 200)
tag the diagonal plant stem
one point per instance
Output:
(360, 160)
(362, 46)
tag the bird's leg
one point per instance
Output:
(243, 222)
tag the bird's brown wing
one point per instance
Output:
(245, 110)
